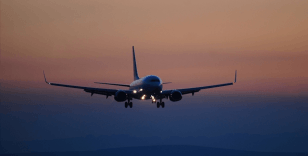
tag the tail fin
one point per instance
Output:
(136, 77)
(235, 76)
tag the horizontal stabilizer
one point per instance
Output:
(123, 85)
(167, 82)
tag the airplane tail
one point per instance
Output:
(136, 77)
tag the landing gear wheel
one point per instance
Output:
(158, 104)
(126, 104)
(163, 104)
(130, 104)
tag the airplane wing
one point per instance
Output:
(91, 90)
(197, 89)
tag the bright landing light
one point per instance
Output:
(143, 97)
(134, 91)
(153, 98)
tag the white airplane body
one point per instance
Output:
(148, 87)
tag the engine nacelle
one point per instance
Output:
(120, 96)
(175, 96)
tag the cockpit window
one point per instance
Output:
(154, 80)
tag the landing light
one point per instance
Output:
(153, 98)
(134, 91)
(161, 91)
(143, 97)
(140, 89)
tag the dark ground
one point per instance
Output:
(167, 150)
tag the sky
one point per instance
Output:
(188, 43)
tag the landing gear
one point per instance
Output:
(130, 104)
(162, 104)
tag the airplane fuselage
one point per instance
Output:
(146, 87)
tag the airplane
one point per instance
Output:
(145, 88)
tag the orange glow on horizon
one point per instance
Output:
(188, 43)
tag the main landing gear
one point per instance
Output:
(130, 104)
(162, 104)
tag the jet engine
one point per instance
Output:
(175, 95)
(120, 96)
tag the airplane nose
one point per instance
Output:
(157, 89)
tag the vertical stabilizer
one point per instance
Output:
(136, 77)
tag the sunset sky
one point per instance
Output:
(189, 43)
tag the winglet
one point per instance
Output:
(45, 78)
(235, 76)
